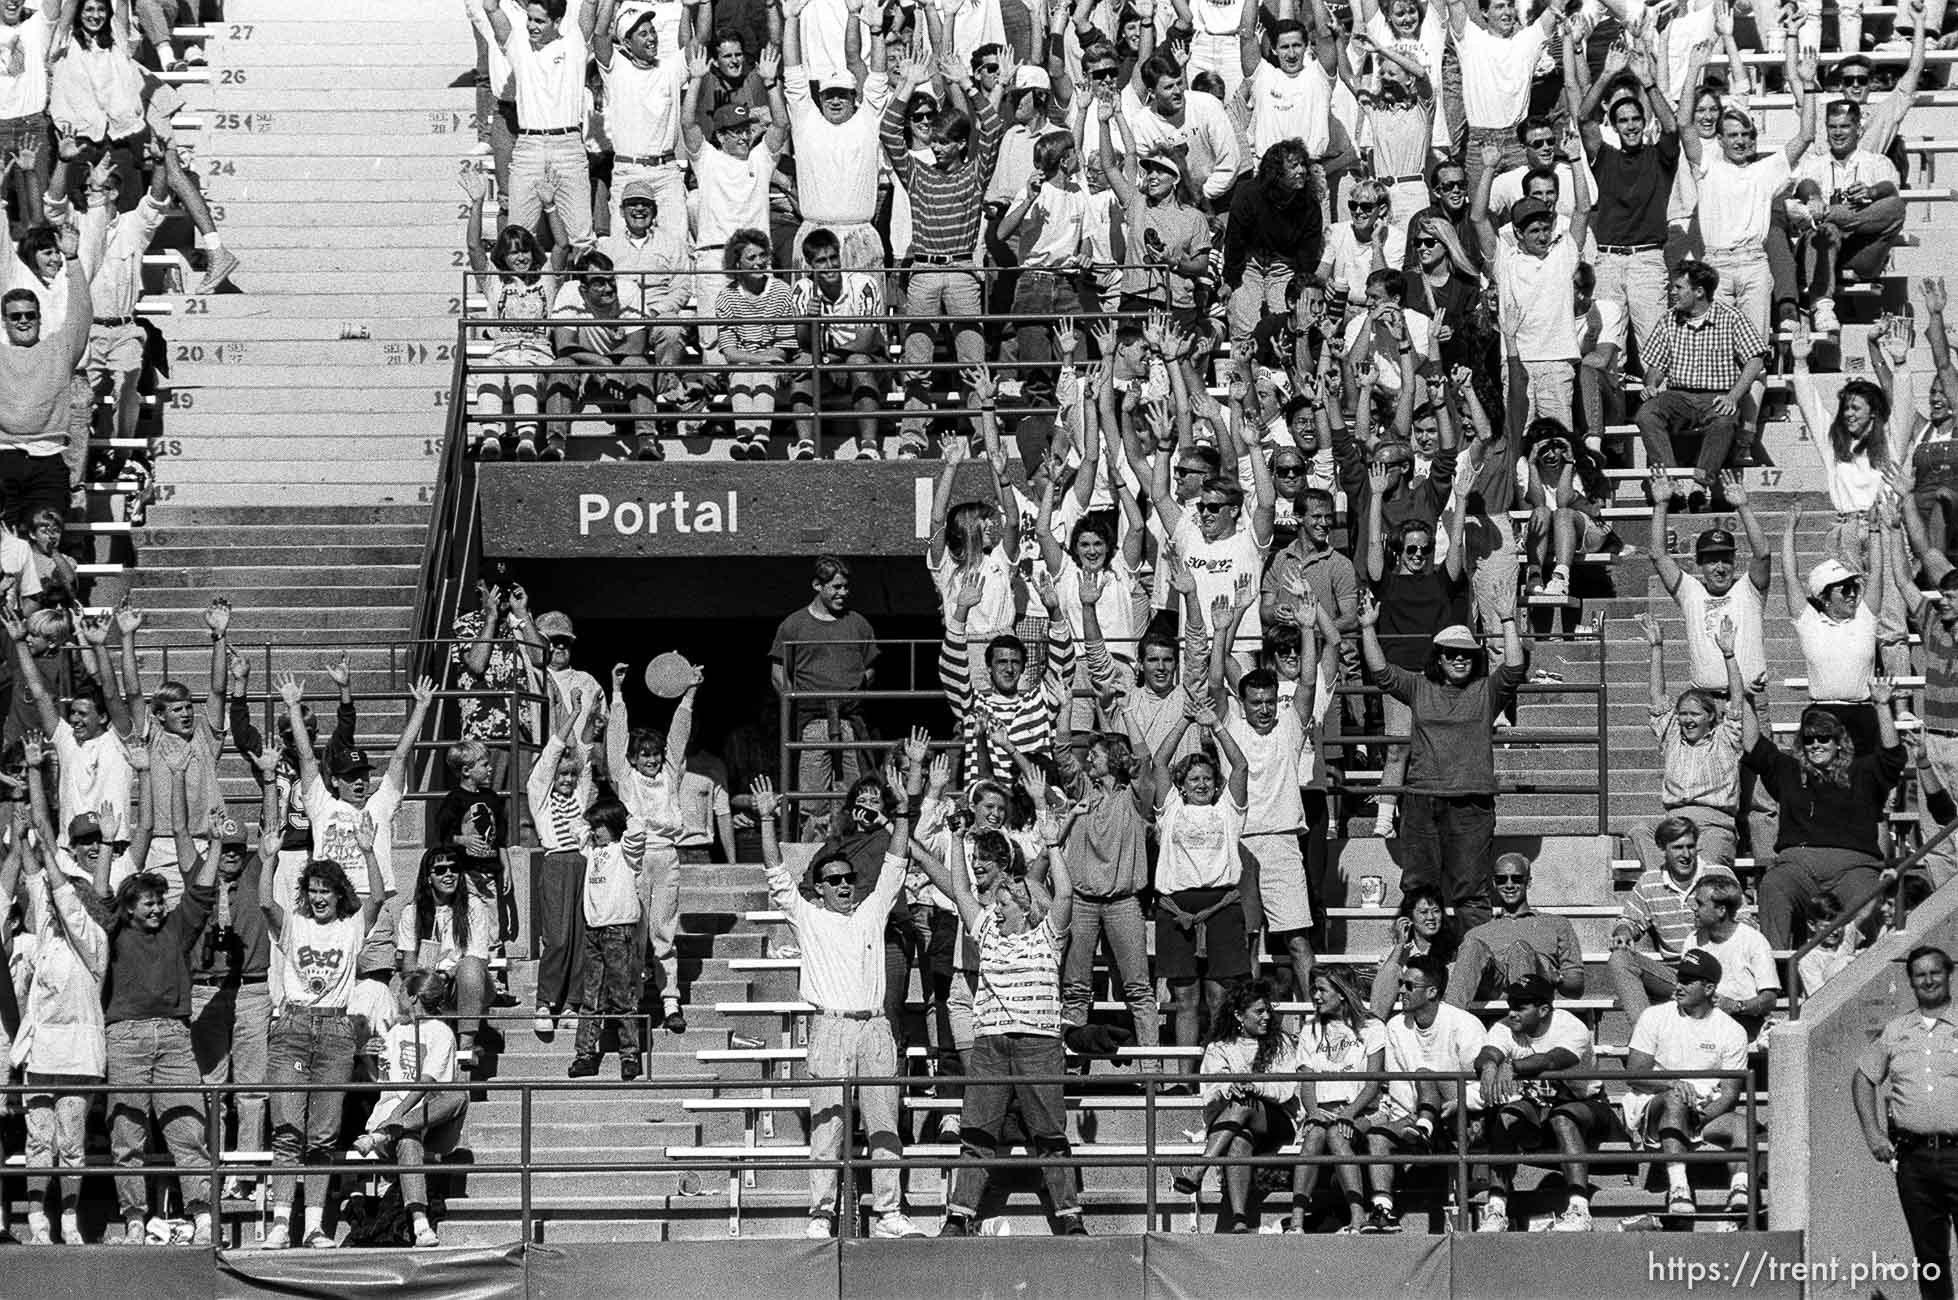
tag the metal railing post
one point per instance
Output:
(1149, 1078)
(1604, 739)
(846, 1181)
(523, 1179)
(788, 734)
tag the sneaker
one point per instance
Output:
(1572, 1220)
(1559, 585)
(136, 1232)
(200, 1235)
(218, 266)
(1073, 1225)
(544, 1023)
(553, 449)
(1383, 826)
(894, 1224)
(956, 1225)
(804, 449)
(582, 1067)
(277, 1237)
(1494, 1221)
(867, 449)
(1822, 317)
(526, 449)
(425, 1239)
(675, 1023)
(648, 448)
(629, 1067)
(1381, 1219)
(819, 1230)
(490, 449)
(318, 1239)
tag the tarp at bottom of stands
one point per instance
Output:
(692, 1270)
(1625, 1265)
(995, 1268)
(1198, 1266)
(460, 1273)
(108, 1271)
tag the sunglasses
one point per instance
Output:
(1427, 241)
(1452, 652)
(1512, 876)
(1191, 469)
(449, 869)
(1817, 742)
(1451, 185)
(1291, 653)
(1852, 81)
(1369, 207)
(1545, 143)
(1212, 507)
(23, 315)
(989, 67)
(1393, 464)
(1288, 471)
(1416, 550)
(850, 879)
(560, 642)
(1103, 74)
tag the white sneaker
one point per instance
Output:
(818, 1230)
(1822, 317)
(1383, 826)
(1494, 1221)
(894, 1224)
(1572, 1220)
(1559, 585)
(277, 1237)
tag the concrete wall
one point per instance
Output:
(1822, 1180)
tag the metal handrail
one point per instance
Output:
(1892, 877)
(848, 1163)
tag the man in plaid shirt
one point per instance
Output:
(1704, 358)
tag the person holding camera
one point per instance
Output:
(1567, 489)
(1849, 213)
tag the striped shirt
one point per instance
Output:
(1662, 908)
(859, 296)
(757, 320)
(560, 818)
(1019, 980)
(946, 202)
(1939, 700)
(1027, 718)
(1706, 775)
(1704, 355)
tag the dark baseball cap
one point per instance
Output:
(1699, 964)
(1714, 541)
(1530, 990)
(1524, 211)
(346, 762)
(728, 116)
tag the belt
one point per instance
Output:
(1401, 180)
(315, 1013)
(849, 1015)
(219, 981)
(939, 259)
(1104, 898)
(1924, 1141)
(115, 320)
(552, 130)
(643, 160)
(1049, 272)
(1630, 248)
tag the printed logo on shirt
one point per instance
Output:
(318, 967)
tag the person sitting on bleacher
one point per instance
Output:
(1532, 1114)
(1851, 213)
(1017, 1030)
(1660, 911)
(1832, 800)
(1244, 1119)
(1703, 360)
(843, 975)
(605, 349)
(1427, 1036)
(1342, 1037)
(1567, 490)
(1750, 983)
(1674, 1115)
(1516, 942)
(418, 1116)
(1883, 118)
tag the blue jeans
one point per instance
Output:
(231, 1032)
(1120, 922)
(1046, 294)
(308, 1046)
(1043, 1112)
(156, 1053)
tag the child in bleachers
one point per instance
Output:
(615, 854)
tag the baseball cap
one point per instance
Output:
(1826, 575)
(1714, 541)
(1028, 77)
(1524, 211)
(1456, 636)
(840, 85)
(230, 835)
(1161, 158)
(638, 192)
(1529, 990)
(554, 623)
(1699, 964)
(630, 15)
(84, 828)
(346, 762)
(728, 116)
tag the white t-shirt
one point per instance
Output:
(411, 1051)
(1834, 175)
(482, 931)
(550, 80)
(1714, 1041)
(1736, 202)
(1703, 611)
(1451, 1043)
(733, 193)
(1291, 107)
(1058, 218)
(1330, 1047)
(1496, 74)
(1841, 655)
(994, 612)
(642, 105)
(611, 885)
(1216, 566)
(836, 162)
(1115, 607)
(334, 821)
(93, 773)
(1746, 963)
(1351, 258)
(320, 960)
(1564, 1031)
(1199, 843)
(1274, 803)
(1536, 294)
(25, 46)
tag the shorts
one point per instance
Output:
(117, 349)
(1281, 880)
(1642, 1118)
(1227, 957)
(1591, 1114)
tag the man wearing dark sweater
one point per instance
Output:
(148, 999)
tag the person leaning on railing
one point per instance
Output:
(824, 648)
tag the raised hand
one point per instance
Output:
(1650, 626)
(1491, 157)
(423, 691)
(619, 672)
(940, 776)
(1932, 287)
(1660, 484)
(1244, 592)
(917, 748)
(699, 62)
(366, 832)
(769, 63)
(1882, 689)
(1221, 610)
(762, 791)
(1734, 483)
(1369, 610)
(1066, 337)
(217, 616)
(129, 619)
(291, 689)
(341, 672)
(1723, 636)
(1377, 480)
(12, 623)
(1105, 336)
(971, 590)
(34, 749)
(980, 380)
(475, 184)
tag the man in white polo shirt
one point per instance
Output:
(548, 171)
(644, 82)
(1738, 188)
(1499, 57)
(1534, 285)
(835, 135)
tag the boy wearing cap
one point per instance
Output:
(732, 170)
(643, 88)
(1688, 1033)
(835, 135)
(1535, 290)
(1528, 1113)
